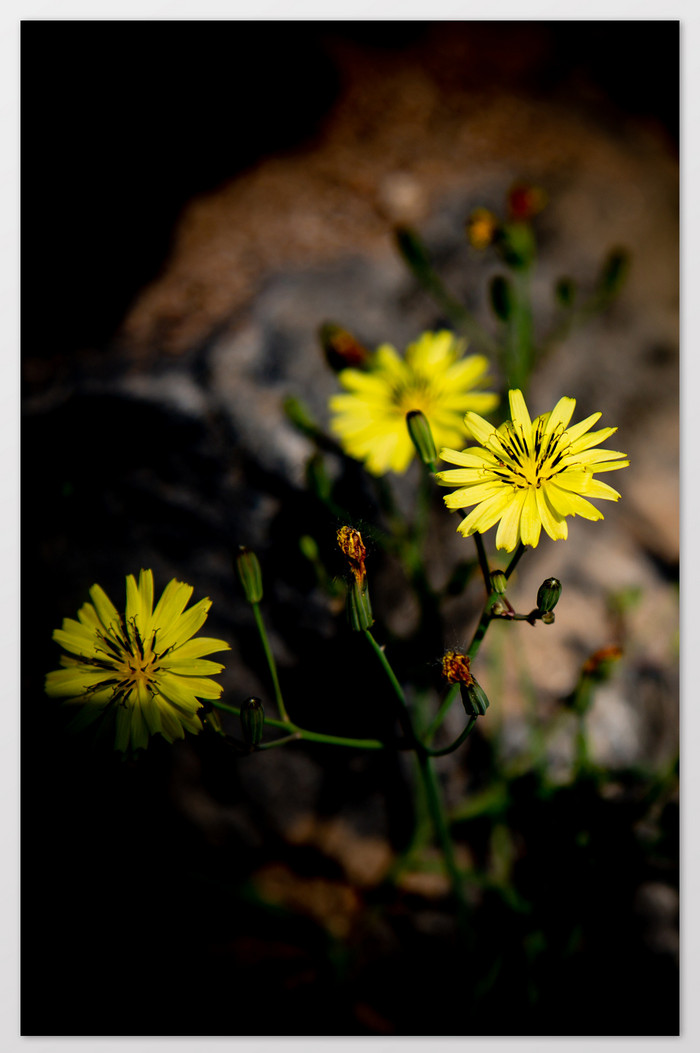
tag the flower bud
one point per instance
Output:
(498, 582)
(422, 438)
(548, 595)
(341, 348)
(309, 548)
(502, 299)
(252, 720)
(474, 699)
(358, 607)
(249, 574)
(482, 226)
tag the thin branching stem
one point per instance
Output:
(271, 664)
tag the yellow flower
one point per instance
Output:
(144, 667)
(530, 474)
(434, 377)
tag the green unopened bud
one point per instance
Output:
(501, 297)
(613, 272)
(309, 548)
(358, 606)
(249, 574)
(422, 437)
(413, 251)
(498, 582)
(252, 720)
(474, 699)
(548, 595)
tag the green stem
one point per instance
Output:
(301, 733)
(416, 256)
(437, 814)
(480, 631)
(457, 742)
(483, 561)
(270, 662)
(476, 641)
(402, 708)
(441, 713)
(519, 343)
(278, 742)
(519, 552)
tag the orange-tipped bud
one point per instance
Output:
(598, 664)
(482, 227)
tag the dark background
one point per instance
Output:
(133, 922)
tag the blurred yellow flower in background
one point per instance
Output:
(530, 474)
(144, 668)
(434, 377)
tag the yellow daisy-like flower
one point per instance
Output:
(144, 667)
(434, 377)
(530, 474)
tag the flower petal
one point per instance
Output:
(518, 411)
(553, 523)
(569, 503)
(106, 611)
(530, 522)
(508, 533)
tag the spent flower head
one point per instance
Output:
(353, 548)
(144, 667)
(434, 377)
(528, 474)
(456, 668)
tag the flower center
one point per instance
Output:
(416, 396)
(132, 661)
(136, 667)
(530, 467)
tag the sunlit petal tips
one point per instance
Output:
(434, 377)
(528, 475)
(144, 668)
